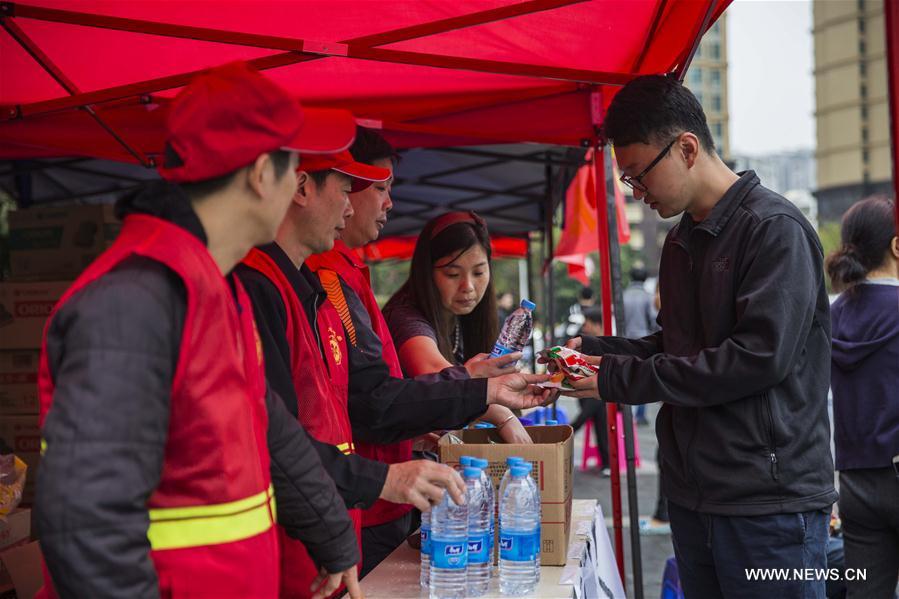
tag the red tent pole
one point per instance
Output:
(605, 270)
(891, 15)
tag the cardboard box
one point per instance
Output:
(551, 455)
(16, 529)
(23, 564)
(58, 242)
(18, 382)
(24, 308)
(23, 434)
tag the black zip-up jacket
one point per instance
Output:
(742, 363)
(113, 349)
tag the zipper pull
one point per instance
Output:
(774, 465)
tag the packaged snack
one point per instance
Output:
(566, 366)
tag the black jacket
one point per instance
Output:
(742, 363)
(382, 409)
(112, 350)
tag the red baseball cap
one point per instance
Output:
(226, 117)
(362, 174)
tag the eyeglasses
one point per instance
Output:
(636, 182)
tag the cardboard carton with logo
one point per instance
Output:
(18, 382)
(24, 308)
(551, 455)
(58, 242)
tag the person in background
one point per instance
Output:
(445, 313)
(505, 305)
(594, 409)
(638, 319)
(865, 383)
(585, 299)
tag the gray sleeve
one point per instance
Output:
(112, 351)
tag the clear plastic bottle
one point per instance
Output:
(425, 575)
(479, 518)
(516, 330)
(518, 535)
(510, 461)
(464, 462)
(531, 481)
(449, 548)
(491, 497)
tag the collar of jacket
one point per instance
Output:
(349, 254)
(166, 201)
(304, 282)
(721, 214)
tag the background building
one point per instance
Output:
(852, 118)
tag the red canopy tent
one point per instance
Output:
(93, 77)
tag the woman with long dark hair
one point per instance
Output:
(865, 383)
(445, 314)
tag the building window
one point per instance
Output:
(864, 112)
(695, 78)
(718, 131)
(863, 90)
(861, 25)
(716, 103)
(865, 157)
(862, 48)
(864, 135)
(698, 97)
(862, 67)
(715, 50)
(715, 77)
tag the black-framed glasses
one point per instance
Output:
(636, 182)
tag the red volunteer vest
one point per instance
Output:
(212, 515)
(321, 389)
(346, 264)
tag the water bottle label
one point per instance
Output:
(519, 546)
(425, 541)
(478, 549)
(450, 555)
(500, 350)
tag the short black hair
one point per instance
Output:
(653, 109)
(639, 274)
(371, 146)
(593, 314)
(201, 189)
(586, 293)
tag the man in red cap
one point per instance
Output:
(346, 280)
(164, 448)
(338, 393)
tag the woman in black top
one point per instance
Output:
(445, 313)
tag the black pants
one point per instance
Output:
(714, 553)
(869, 509)
(379, 541)
(595, 410)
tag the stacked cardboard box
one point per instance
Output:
(49, 247)
(551, 455)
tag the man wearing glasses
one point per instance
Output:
(741, 363)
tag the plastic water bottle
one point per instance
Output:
(464, 462)
(507, 475)
(479, 517)
(449, 548)
(519, 539)
(533, 483)
(487, 481)
(516, 330)
(425, 575)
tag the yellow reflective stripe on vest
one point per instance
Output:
(347, 448)
(198, 525)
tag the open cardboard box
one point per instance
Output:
(551, 455)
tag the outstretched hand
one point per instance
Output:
(518, 391)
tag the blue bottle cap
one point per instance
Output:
(480, 463)
(484, 425)
(520, 471)
(465, 460)
(551, 422)
(528, 304)
(471, 472)
(513, 460)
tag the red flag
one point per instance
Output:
(580, 237)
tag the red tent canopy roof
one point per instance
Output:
(429, 72)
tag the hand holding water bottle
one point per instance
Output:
(483, 366)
